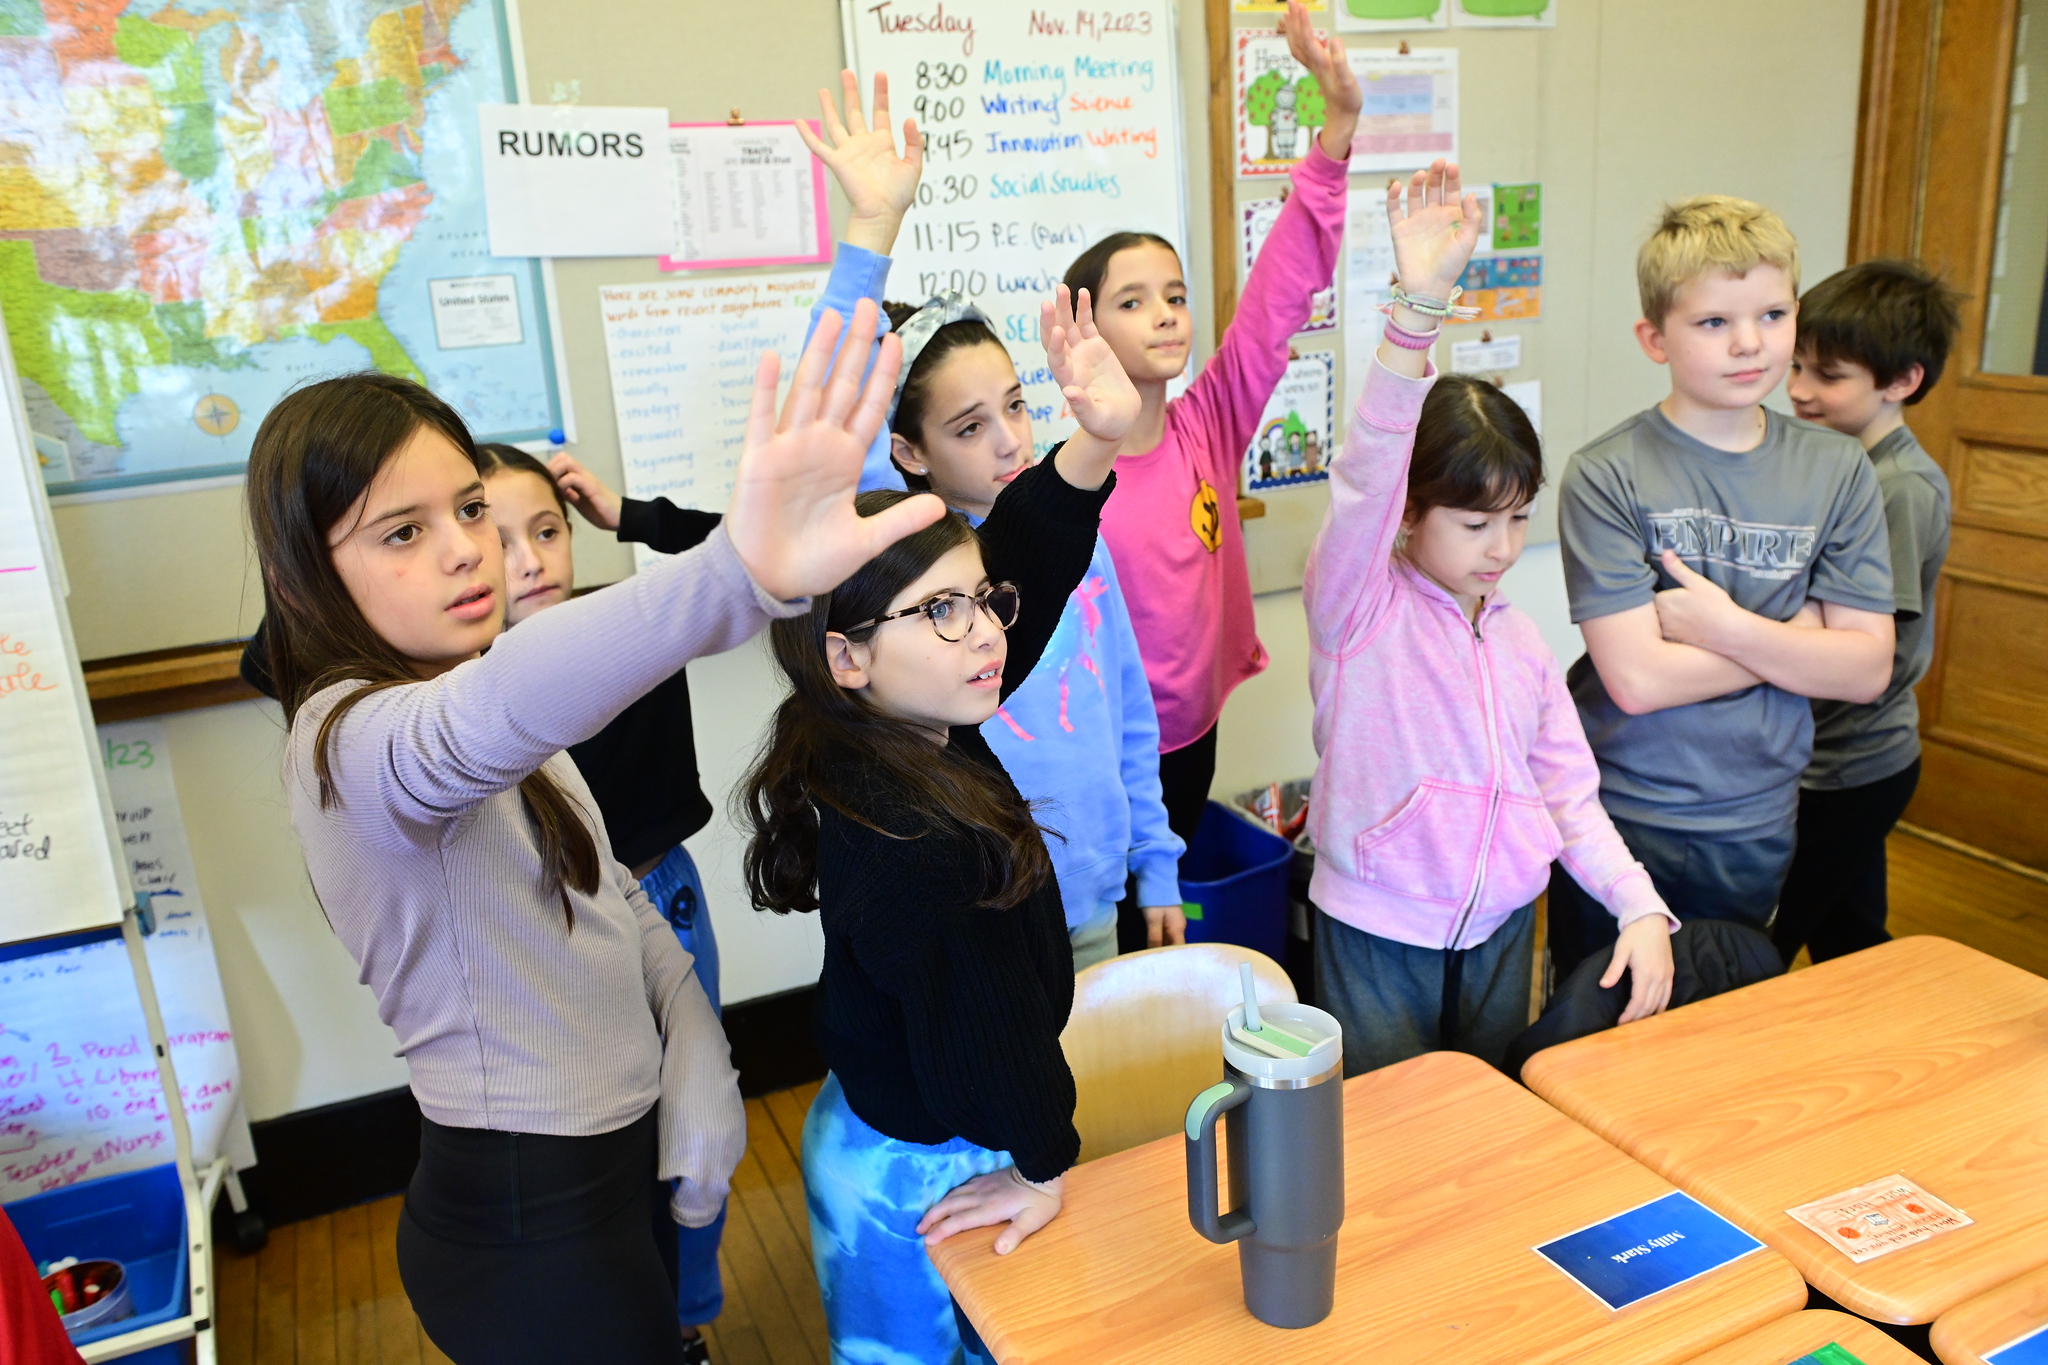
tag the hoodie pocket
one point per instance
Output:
(1524, 836)
(1427, 847)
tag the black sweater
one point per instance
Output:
(641, 768)
(942, 1017)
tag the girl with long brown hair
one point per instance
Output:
(564, 1056)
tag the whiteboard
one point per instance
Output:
(1045, 131)
(58, 873)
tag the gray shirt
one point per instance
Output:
(1798, 517)
(428, 868)
(1855, 745)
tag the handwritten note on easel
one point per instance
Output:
(682, 359)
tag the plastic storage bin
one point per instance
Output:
(137, 1219)
(1236, 872)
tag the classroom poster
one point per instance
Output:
(1279, 106)
(683, 356)
(1410, 115)
(1276, 6)
(1503, 13)
(575, 180)
(748, 194)
(1256, 217)
(1391, 16)
(1293, 441)
(1368, 284)
(1517, 218)
(1503, 288)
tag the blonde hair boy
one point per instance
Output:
(1705, 233)
(1726, 563)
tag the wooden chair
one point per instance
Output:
(1142, 1039)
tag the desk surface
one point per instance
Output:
(1452, 1174)
(1789, 1339)
(1919, 1057)
(1966, 1332)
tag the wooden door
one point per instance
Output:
(1945, 112)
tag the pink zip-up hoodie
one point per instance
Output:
(1453, 767)
(1172, 526)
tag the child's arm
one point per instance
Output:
(1848, 659)
(656, 523)
(1298, 260)
(1154, 857)
(1645, 672)
(880, 186)
(1565, 771)
(703, 1126)
(1348, 566)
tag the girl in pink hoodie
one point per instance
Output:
(1172, 526)
(1453, 768)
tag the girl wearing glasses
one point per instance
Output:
(878, 802)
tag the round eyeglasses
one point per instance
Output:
(952, 613)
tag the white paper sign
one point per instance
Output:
(57, 868)
(1368, 284)
(1410, 115)
(576, 180)
(744, 195)
(683, 358)
(477, 310)
(1486, 357)
(79, 1095)
(1528, 396)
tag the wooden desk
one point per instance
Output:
(1787, 1339)
(1919, 1057)
(1452, 1174)
(1967, 1331)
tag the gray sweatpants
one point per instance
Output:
(1398, 1001)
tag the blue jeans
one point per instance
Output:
(884, 1301)
(678, 893)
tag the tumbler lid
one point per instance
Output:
(1304, 1021)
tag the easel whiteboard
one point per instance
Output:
(1045, 131)
(58, 872)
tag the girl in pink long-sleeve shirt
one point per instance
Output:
(1452, 765)
(1172, 526)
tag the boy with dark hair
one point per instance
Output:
(1872, 341)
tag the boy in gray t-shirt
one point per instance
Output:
(1725, 563)
(1872, 341)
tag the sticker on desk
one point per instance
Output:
(1871, 1220)
(1834, 1353)
(2031, 1349)
(1648, 1249)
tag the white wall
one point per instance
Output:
(1634, 101)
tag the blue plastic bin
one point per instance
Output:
(1236, 872)
(137, 1219)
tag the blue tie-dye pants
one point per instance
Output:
(884, 1302)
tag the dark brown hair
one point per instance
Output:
(314, 456)
(1886, 316)
(825, 738)
(1091, 267)
(910, 409)
(1475, 450)
(495, 457)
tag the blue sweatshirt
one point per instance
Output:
(1079, 738)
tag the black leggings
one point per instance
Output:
(519, 1247)
(1184, 778)
(1835, 900)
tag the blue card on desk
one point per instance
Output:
(2031, 1349)
(1648, 1249)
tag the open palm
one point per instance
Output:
(1104, 400)
(878, 181)
(792, 519)
(1436, 232)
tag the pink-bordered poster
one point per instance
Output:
(746, 194)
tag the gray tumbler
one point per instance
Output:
(1285, 1120)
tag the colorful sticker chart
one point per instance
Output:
(1292, 444)
(1046, 129)
(1256, 219)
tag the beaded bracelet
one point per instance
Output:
(1443, 309)
(1407, 340)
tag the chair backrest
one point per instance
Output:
(1142, 1040)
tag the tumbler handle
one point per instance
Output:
(1203, 1195)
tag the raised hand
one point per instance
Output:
(586, 492)
(880, 184)
(1103, 399)
(1324, 56)
(792, 519)
(1436, 233)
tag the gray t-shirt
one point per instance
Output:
(1798, 517)
(1855, 745)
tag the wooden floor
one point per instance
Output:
(326, 1291)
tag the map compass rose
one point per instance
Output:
(216, 414)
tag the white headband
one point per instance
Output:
(920, 327)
